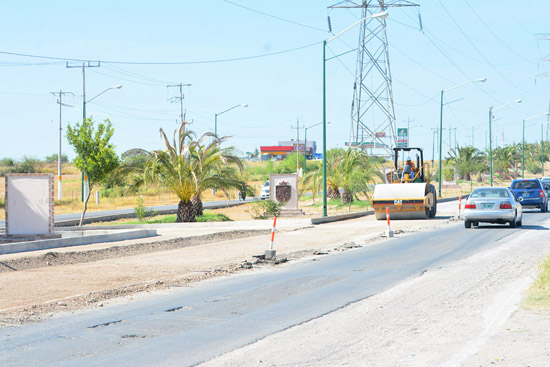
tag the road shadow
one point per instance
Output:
(505, 226)
(535, 227)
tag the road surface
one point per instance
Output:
(192, 325)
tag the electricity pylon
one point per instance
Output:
(372, 112)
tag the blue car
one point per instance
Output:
(530, 193)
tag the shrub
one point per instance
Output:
(142, 211)
(7, 162)
(265, 209)
(534, 167)
(448, 174)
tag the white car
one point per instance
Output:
(264, 192)
(492, 205)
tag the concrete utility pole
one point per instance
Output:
(90, 64)
(297, 145)
(180, 98)
(59, 161)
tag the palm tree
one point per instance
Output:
(467, 161)
(349, 170)
(353, 171)
(173, 168)
(213, 167)
(189, 167)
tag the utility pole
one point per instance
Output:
(59, 161)
(90, 64)
(180, 98)
(450, 141)
(454, 128)
(297, 145)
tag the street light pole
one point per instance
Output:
(381, 15)
(217, 114)
(324, 131)
(490, 145)
(523, 151)
(491, 109)
(481, 80)
(84, 102)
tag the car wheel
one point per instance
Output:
(467, 224)
(513, 223)
(520, 222)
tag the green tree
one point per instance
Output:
(190, 167)
(350, 170)
(353, 170)
(53, 158)
(467, 162)
(95, 155)
(214, 167)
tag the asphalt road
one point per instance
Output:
(195, 324)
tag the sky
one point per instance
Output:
(267, 54)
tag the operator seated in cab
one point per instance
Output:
(408, 171)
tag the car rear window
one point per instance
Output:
(489, 193)
(525, 185)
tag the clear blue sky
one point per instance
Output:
(461, 40)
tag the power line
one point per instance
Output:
(495, 35)
(274, 17)
(164, 62)
(479, 52)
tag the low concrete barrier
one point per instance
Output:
(336, 218)
(78, 239)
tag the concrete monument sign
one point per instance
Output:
(29, 204)
(284, 189)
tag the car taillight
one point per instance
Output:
(541, 193)
(505, 205)
(470, 206)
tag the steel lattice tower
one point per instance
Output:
(372, 111)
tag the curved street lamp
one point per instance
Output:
(480, 80)
(229, 109)
(491, 109)
(84, 102)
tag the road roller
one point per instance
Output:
(407, 191)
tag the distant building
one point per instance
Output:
(284, 148)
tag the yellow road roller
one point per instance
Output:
(407, 191)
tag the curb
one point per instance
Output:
(444, 200)
(10, 248)
(336, 218)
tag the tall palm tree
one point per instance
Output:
(353, 171)
(173, 168)
(188, 167)
(467, 161)
(213, 167)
